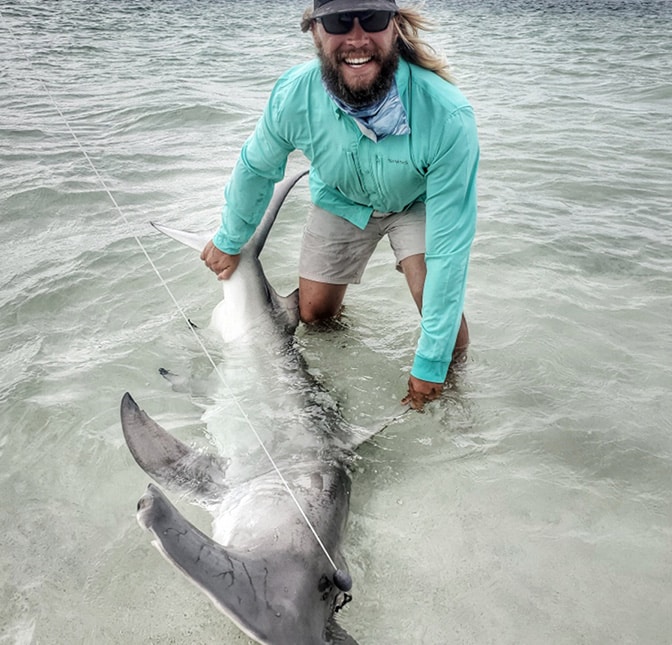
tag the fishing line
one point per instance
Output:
(340, 578)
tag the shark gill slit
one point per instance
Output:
(340, 578)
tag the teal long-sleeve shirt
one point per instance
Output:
(351, 176)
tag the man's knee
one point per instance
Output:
(313, 313)
(319, 301)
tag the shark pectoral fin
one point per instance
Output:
(178, 383)
(196, 241)
(196, 387)
(286, 308)
(236, 586)
(167, 459)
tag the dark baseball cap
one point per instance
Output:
(326, 7)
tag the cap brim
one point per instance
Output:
(341, 6)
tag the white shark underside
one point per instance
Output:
(264, 568)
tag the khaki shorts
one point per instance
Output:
(337, 252)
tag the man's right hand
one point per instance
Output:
(421, 392)
(219, 262)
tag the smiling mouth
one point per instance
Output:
(358, 61)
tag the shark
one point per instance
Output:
(273, 563)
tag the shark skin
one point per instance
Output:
(263, 567)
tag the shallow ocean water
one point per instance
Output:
(532, 504)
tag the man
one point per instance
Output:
(393, 151)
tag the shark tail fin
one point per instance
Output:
(169, 461)
(257, 241)
(198, 240)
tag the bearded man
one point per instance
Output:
(393, 151)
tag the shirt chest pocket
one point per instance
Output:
(376, 174)
(397, 182)
(340, 168)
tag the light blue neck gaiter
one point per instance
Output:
(384, 117)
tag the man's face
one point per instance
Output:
(358, 67)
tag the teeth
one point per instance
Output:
(357, 61)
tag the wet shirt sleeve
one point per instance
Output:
(450, 227)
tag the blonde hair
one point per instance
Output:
(407, 23)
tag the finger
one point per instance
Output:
(208, 261)
(206, 251)
(414, 401)
(418, 404)
(225, 274)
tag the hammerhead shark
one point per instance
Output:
(273, 564)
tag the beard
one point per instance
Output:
(362, 96)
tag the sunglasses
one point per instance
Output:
(369, 21)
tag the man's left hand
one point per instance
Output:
(421, 392)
